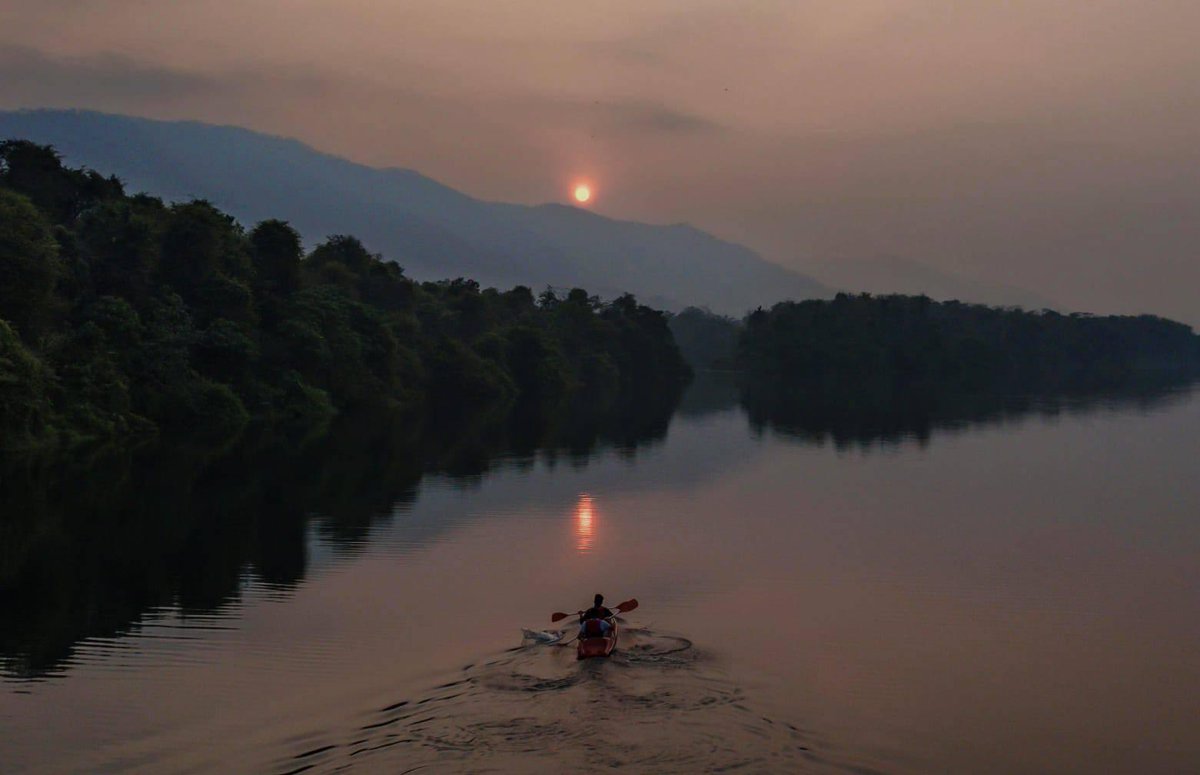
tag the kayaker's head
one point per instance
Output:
(599, 601)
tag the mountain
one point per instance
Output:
(894, 274)
(432, 230)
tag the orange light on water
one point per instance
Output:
(585, 528)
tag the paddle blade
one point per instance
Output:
(628, 605)
(558, 617)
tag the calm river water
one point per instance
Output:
(979, 585)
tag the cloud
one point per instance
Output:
(1047, 145)
(651, 117)
(32, 76)
(618, 117)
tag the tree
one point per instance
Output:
(29, 265)
(276, 253)
(345, 250)
(136, 315)
(25, 409)
(37, 171)
(205, 260)
(118, 244)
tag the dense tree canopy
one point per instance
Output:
(914, 339)
(122, 314)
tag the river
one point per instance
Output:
(1000, 585)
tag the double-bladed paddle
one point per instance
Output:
(621, 608)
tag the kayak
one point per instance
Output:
(597, 646)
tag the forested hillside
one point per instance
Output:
(123, 314)
(914, 339)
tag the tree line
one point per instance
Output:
(123, 314)
(912, 340)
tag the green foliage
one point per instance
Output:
(914, 339)
(138, 316)
(537, 365)
(61, 193)
(225, 351)
(211, 409)
(300, 401)
(96, 401)
(341, 346)
(457, 374)
(29, 265)
(205, 260)
(276, 252)
(25, 410)
(117, 246)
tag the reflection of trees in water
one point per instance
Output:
(866, 413)
(89, 547)
(711, 392)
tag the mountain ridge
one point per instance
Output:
(431, 229)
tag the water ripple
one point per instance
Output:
(659, 704)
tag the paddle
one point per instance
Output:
(622, 608)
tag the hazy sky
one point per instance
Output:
(1051, 144)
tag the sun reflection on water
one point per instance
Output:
(585, 528)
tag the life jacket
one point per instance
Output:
(597, 613)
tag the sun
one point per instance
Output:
(582, 193)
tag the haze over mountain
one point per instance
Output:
(897, 274)
(432, 230)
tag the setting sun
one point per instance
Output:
(583, 193)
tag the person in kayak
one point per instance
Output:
(593, 623)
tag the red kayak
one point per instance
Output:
(597, 645)
(593, 640)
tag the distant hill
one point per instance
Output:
(432, 230)
(894, 274)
